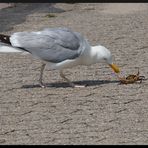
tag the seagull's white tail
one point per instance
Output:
(7, 49)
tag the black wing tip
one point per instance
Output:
(5, 39)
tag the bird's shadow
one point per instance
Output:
(65, 84)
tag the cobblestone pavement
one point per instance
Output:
(102, 113)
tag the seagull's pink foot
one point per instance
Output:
(79, 86)
(42, 85)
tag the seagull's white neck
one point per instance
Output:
(91, 55)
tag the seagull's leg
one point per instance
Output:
(41, 75)
(63, 76)
(70, 83)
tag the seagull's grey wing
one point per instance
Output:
(54, 45)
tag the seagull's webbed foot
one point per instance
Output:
(42, 85)
(79, 86)
(70, 83)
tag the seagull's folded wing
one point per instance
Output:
(52, 45)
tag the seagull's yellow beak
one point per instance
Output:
(115, 68)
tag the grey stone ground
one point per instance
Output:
(103, 112)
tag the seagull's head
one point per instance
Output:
(105, 54)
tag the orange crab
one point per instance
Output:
(131, 78)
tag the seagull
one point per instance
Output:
(59, 48)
